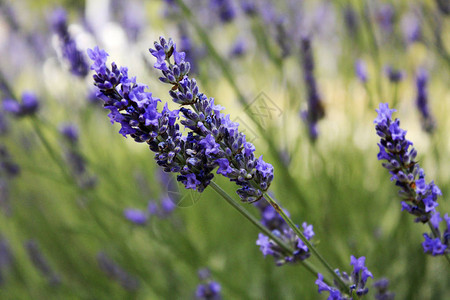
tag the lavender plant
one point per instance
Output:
(419, 197)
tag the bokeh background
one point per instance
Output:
(64, 233)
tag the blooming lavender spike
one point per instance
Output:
(209, 290)
(315, 110)
(438, 243)
(70, 132)
(394, 75)
(356, 280)
(40, 262)
(428, 123)
(75, 58)
(419, 197)
(218, 138)
(115, 272)
(224, 9)
(274, 222)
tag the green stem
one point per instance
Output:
(286, 248)
(305, 240)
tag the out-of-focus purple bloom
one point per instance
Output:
(4, 126)
(315, 110)
(428, 123)
(382, 286)
(115, 272)
(351, 19)
(75, 58)
(28, 106)
(40, 262)
(361, 70)
(6, 258)
(8, 167)
(394, 75)
(204, 274)
(385, 17)
(224, 9)
(238, 48)
(249, 7)
(70, 132)
(209, 291)
(135, 216)
(411, 28)
(444, 6)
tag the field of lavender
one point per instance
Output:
(224, 149)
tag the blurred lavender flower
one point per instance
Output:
(444, 6)
(361, 70)
(315, 110)
(385, 17)
(351, 19)
(75, 160)
(40, 262)
(411, 28)
(77, 61)
(6, 258)
(8, 168)
(382, 290)
(274, 222)
(224, 9)
(136, 216)
(28, 106)
(131, 14)
(4, 126)
(238, 48)
(115, 272)
(249, 7)
(357, 280)
(394, 75)
(428, 123)
(210, 290)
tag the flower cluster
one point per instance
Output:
(315, 110)
(440, 244)
(218, 138)
(356, 281)
(75, 58)
(419, 197)
(422, 100)
(381, 287)
(208, 290)
(274, 222)
(28, 106)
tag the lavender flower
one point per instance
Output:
(8, 168)
(6, 257)
(382, 290)
(224, 9)
(219, 139)
(428, 123)
(28, 106)
(135, 216)
(411, 28)
(210, 290)
(70, 132)
(74, 57)
(385, 17)
(41, 263)
(274, 222)
(420, 198)
(394, 75)
(361, 70)
(315, 110)
(351, 19)
(356, 281)
(115, 272)
(440, 243)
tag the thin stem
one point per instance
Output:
(311, 268)
(304, 239)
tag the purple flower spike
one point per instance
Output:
(135, 216)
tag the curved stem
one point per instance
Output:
(304, 239)
(311, 268)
